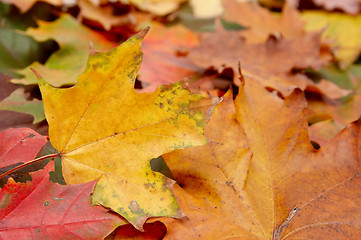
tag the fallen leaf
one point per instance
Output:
(262, 23)
(275, 185)
(104, 129)
(25, 5)
(271, 63)
(161, 65)
(17, 102)
(103, 15)
(43, 210)
(65, 65)
(19, 145)
(342, 31)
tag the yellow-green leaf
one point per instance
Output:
(17, 102)
(65, 65)
(342, 30)
(105, 130)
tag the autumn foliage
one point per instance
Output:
(180, 120)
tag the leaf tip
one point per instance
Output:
(142, 33)
(38, 76)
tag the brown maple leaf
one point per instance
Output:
(271, 63)
(262, 23)
(260, 178)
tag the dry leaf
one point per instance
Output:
(271, 63)
(274, 184)
(262, 23)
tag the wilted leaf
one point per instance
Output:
(342, 31)
(161, 65)
(274, 184)
(104, 129)
(43, 210)
(19, 145)
(17, 102)
(65, 65)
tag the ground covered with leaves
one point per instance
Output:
(180, 119)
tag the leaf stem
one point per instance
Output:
(30, 162)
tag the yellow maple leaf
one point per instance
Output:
(103, 129)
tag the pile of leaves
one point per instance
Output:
(241, 120)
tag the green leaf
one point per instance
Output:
(16, 49)
(17, 102)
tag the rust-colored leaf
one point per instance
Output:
(163, 61)
(262, 23)
(260, 177)
(271, 63)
